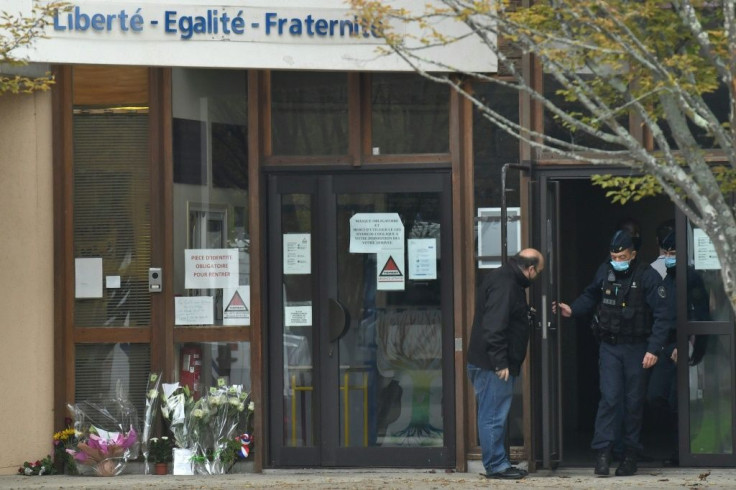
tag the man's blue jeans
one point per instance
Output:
(493, 397)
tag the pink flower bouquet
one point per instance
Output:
(105, 452)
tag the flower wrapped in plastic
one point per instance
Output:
(152, 403)
(106, 436)
(176, 406)
(214, 425)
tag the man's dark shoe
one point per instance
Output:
(628, 465)
(510, 473)
(603, 462)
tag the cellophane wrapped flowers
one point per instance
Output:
(107, 437)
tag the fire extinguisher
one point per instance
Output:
(191, 369)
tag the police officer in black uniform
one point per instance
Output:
(633, 325)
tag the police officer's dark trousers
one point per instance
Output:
(622, 381)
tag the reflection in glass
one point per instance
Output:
(299, 396)
(200, 365)
(391, 355)
(410, 114)
(710, 397)
(211, 195)
(309, 113)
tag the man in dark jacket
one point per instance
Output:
(497, 348)
(633, 324)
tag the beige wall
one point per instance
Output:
(26, 280)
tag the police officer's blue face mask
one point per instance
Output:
(620, 265)
(670, 262)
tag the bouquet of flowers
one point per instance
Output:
(63, 440)
(42, 467)
(106, 435)
(105, 452)
(152, 401)
(176, 406)
(214, 423)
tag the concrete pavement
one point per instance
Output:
(387, 478)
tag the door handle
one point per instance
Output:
(339, 320)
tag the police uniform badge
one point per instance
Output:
(662, 292)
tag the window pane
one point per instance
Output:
(200, 365)
(309, 113)
(390, 380)
(104, 370)
(211, 233)
(111, 213)
(299, 400)
(707, 299)
(493, 147)
(710, 397)
(410, 114)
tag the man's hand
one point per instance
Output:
(565, 310)
(674, 356)
(503, 374)
(649, 360)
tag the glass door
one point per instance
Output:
(705, 332)
(550, 343)
(360, 327)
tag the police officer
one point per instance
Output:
(632, 329)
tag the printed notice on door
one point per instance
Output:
(298, 315)
(236, 306)
(704, 251)
(390, 270)
(422, 258)
(297, 253)
(211, 268)
(374, 232)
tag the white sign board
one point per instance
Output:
(390, 272)
(211, 268)
(489, 235)
(298, 315)
(705, 256)
(374, 232)
(88, 277)
(236, 306)
(194, 310)
(422, 258)
(263, 34)
(297, 253)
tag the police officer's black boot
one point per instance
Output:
(603, 462)
(628, 465)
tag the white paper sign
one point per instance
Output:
(489, 235)
(297, 253)
(704, 251)
(211, 268)
(298, 315)
(194, 310)
(112, 282)
(422, 258)
(88, 278)
(390, 270)
(373, 232)
(236, 306)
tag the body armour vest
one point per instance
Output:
(623, 315)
